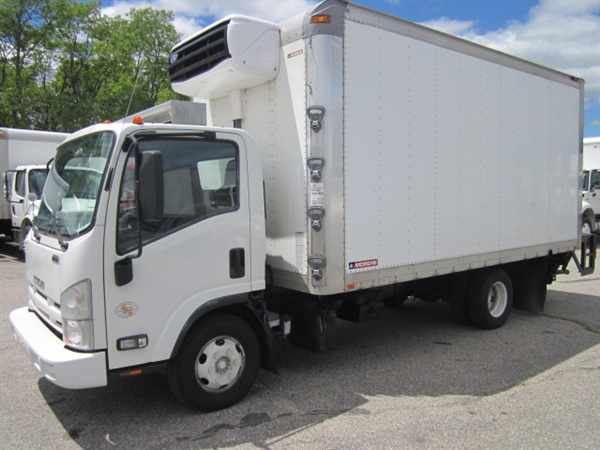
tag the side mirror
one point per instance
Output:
(32, 197)
(150, 186)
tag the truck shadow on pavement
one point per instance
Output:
(9, 252)
(417, 351)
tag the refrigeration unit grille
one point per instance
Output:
(200, 54)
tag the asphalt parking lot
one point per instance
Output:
(408, 378)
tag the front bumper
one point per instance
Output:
(63, 367)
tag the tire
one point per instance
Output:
(490, 299)
(217, 365)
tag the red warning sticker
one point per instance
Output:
(366, 264)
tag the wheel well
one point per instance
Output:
(241, 310)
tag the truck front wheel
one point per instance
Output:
(217, 365)
(490, 299)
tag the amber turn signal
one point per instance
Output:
(320, 18)
(138, 120)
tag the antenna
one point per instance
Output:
(137, 76)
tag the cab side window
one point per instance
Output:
(20, 183)
(201, 180)
(595, 180)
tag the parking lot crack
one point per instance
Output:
(580, 323)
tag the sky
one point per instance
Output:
(562, 34)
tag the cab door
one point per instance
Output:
(593, 196)
(195, 253)
(18, 193)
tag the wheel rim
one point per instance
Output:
(220, 364)
(497, 299)
(586, 228)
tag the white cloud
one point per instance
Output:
(563, 34)
(187, 12)
(450, 26)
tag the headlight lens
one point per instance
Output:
(76, 302)
(76, 311)
(79, 334)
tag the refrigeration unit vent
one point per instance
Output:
(200, 54)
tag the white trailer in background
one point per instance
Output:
(378, 160)
(591, 185)
(23, 158)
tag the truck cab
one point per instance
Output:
(23, 190)
(143, 230)
(590, 195)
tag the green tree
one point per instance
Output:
(136, 49)
(26, 27)
(64, 66)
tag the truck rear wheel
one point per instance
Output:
(490, 299)
(217, 365)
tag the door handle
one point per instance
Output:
(237, 263)
(123, 271)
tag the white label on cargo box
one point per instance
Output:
(317, 195)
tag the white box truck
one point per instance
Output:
(591, 185)
(23, 158)
(376, 160)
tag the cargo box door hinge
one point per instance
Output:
(317, 269)
(315, 116)
(316, 214)
(315, 168)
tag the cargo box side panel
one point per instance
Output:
(449, 156)
(274, 114)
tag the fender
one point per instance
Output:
(253, 311)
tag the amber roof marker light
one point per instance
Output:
(320, 19)
(138, 120)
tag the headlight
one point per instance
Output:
(76, 302)
(79, 334)
(76, 311)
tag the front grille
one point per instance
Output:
(200, 54)
(47, 309)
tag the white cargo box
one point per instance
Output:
(425, 154)
(24, 147)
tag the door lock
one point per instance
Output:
(315, 116)
(316, 214)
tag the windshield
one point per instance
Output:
(37, 178)
(73, 186)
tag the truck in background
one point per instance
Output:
(590, 208)
(350, 158)
(23, 158)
